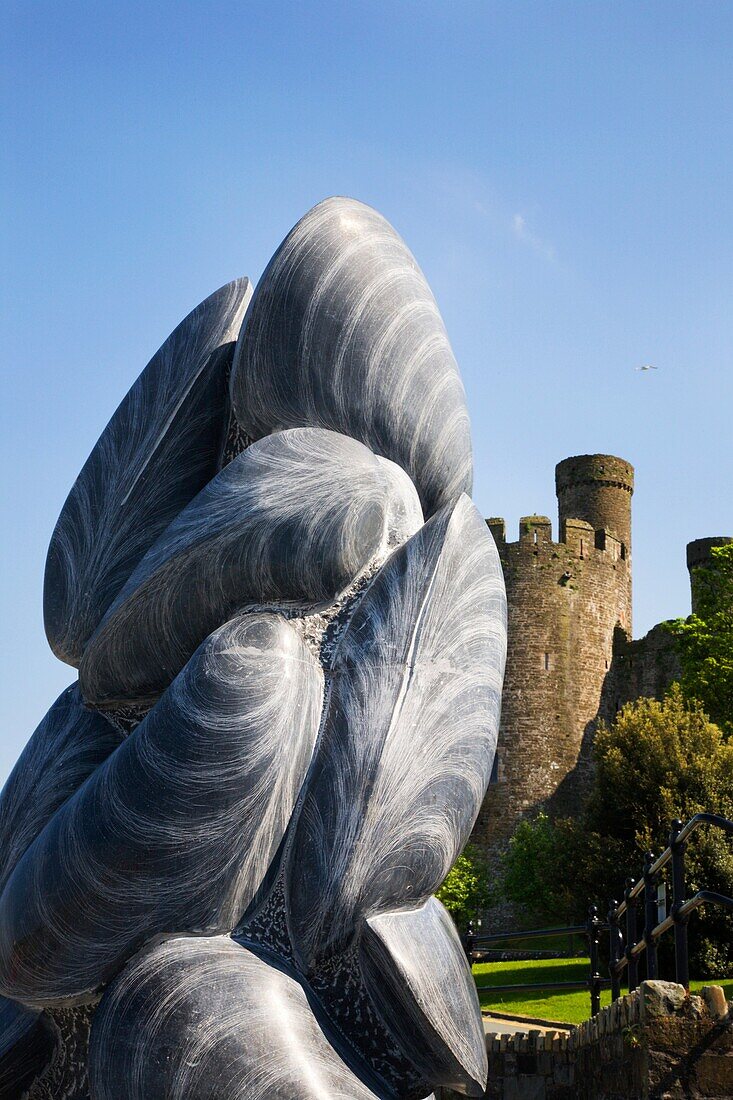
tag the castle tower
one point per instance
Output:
(698, 553)
(565, 601)
(598, 489)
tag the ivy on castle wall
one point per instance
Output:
(705, 639)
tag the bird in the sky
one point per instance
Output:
(647, 366)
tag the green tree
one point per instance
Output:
(548, 870)
(656, 762)
(533, 849)
(705, 639)
(466, 891)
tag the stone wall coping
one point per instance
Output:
(652, 1000)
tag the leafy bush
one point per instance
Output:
(547, 870)
(705, 639)
(532, 849)
(658, 761)
(466, 891)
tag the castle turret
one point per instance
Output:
(598, 489)
(565, 601)
(699, 554)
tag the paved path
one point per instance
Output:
(495, 1025)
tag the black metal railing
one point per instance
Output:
(591, 930)
(626, 950)
(677, 917)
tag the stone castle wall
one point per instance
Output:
(646, 666)
(567, 601)
(658, 1043)
(571, 658)
(699, 553)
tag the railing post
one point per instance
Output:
(594, 981)
(632, 966)
(614, 953)
(681, 956)
(650, 913)
(469, 940)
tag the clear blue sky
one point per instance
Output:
(562, 172)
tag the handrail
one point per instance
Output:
(704, 897)
(593, 983)
(678, 916)
(704, 819)
(625, 957)
(583, 984)
(533, 933)
(685, 831)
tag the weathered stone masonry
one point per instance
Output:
(566, 600)
(657, 1043)
(571, 660)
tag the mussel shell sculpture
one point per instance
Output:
(220, 848)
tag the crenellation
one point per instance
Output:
(535, 530)
(571, 660)
(497, 526)
(578, 539)
(565, 600)
(578, 535)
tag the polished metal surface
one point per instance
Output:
(220, 847)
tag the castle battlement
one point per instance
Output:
(571, 660)
(578, 536)
(566, 600)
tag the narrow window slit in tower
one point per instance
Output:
(547, 662)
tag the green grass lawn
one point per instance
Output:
(571, 1008)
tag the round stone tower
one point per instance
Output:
(567, 601)
(698, 554)
(597, 489)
